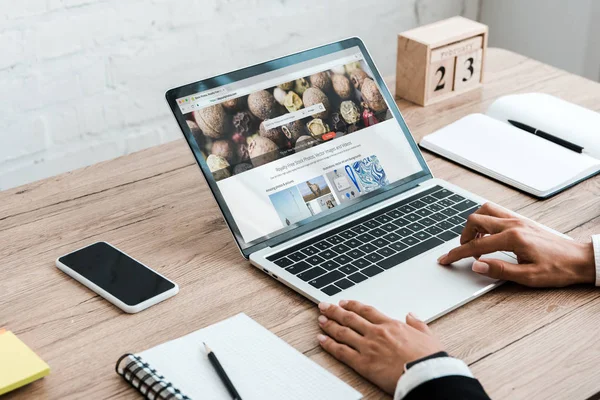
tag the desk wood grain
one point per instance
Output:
(522, 343)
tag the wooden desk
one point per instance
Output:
(521, 343)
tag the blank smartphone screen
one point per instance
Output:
(116, 273)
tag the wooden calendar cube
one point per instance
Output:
(439, 60)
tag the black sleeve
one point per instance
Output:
(454, 387)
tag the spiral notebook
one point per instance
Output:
(260, 365)
(490, 145)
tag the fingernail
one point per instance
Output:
(480, 267)
(442, 258)
(321, 338)
(343, 303)
(324, 306)
(414, 316)
(322, 319)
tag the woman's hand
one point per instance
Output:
(545, 259)
(374, 345)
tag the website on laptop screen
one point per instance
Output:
(298, 143)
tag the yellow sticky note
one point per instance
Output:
(19, 365)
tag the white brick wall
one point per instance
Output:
(83, 81)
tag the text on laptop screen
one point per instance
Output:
(294, 144)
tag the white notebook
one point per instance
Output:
(260, 365)
(490, 145)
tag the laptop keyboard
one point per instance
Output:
(351, 254)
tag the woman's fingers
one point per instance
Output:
(341, 352)
(415, 322)
(476, 247)
(498, 269)
(482, 224)
(369, 313)
(342, 334)
(344, 317)
(494, 210)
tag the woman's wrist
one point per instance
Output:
(585, 263)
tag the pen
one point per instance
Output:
(221, 372)
(547, 136)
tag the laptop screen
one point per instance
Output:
(286, 146)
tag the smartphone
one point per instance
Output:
(119, 278)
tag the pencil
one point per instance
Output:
(221, 372)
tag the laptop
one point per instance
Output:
(323, 186)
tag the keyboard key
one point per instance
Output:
(310, 250)
(445, 225)
(347, 234)
(423, 212)
(465, 205)
(380, 242)
(297, 256)
(335, 239)
(440, 194)
(401, 222)
(406, 209)
(470, 211)
(409, 253)
(311, 273)
(412, 217)
(326, 279)
(410, 241)
(340, 248)
(428, 199)
(372, 224)
(392, 237)
(322, 245)
(343, 259)
(359, 229)
(417, 204)
(330, 265)
(348, 269)
(395, 214)
(331, 290)
(298, 267)
(435, 207)
(404, 232)
(353, 243)
(373, 257)
(377, 232)
(415, 227)
(355, 253)
(398, 246)
(365, 237)
(438, 217)
(456, 198)
(422, 235)
(357, 277)
(448, 212)
(372, 270)
(384, 219)
(328, 254)
(448, 235)
(386, 251)
(344, 283)
(389, 227)
(284, 262)
(446, 203)
(427, 221)
(456, 220)
(361, 263)
(315, 260)
(433, 230)
(367, 248)
(458, 229)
